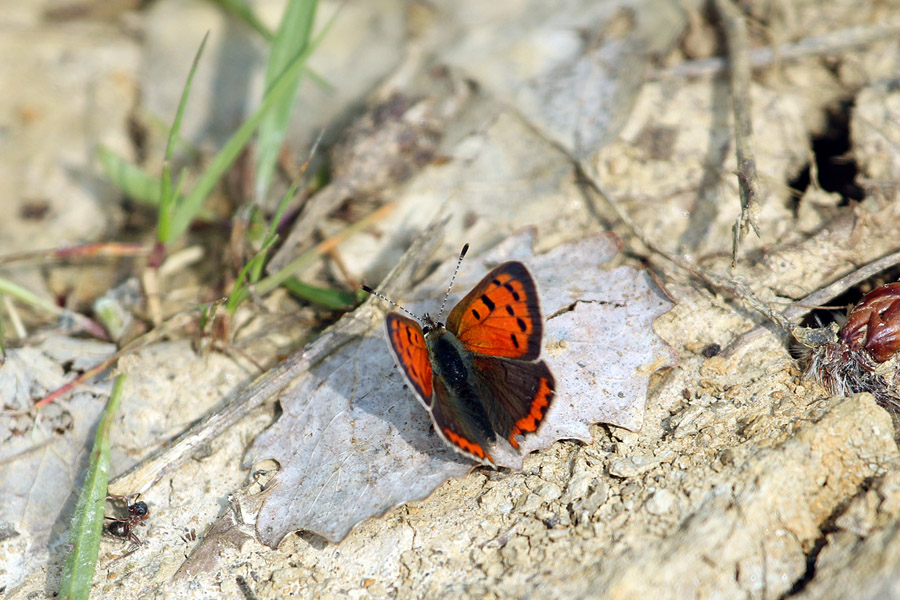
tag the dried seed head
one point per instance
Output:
(874, 323)
(866, 355)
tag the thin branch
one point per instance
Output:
(714, 281)
(93, 250)
(748, 183)
(175, 323)
(800, 308)
(786, 319)
(829, 44)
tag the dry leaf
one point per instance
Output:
(353, 442)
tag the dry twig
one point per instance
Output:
(714, 281)
(748, 183)
(786, 319)
(800, 308)
(829, 44)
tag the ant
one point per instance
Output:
(122, 527)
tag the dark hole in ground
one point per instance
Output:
(837, 309)
(836, 168)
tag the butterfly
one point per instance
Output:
(478, 375)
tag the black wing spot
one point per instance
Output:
(496, 282)
(521, 324)
(509, 310)
(487, 302)
(515, 340)
(512, 291)
(476, 315)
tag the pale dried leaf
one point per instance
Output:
(353, 442)
(43, 453)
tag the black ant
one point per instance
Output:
(122, 528)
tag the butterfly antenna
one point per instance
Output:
(366, 288)
(462, 255)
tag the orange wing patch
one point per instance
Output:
(532, 420)
(467, 446)
(501, 316)
(408, 345)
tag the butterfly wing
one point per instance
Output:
(501, 316)
(408, 345)
(499, 322)
(464, 430)
(455, 419)
(520, 392)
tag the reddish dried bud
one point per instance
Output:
(874, 323)
(858, 361)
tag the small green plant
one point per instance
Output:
(87, 521)
(177, 208)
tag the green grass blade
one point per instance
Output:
(319, 80)
(243, 12)
(307, 258)
(331, 299)
(87, 522)
(186, 210)
(134, 182)
(272, 232)
(291, 41)
(168, 205)
(251, 272)
(190, 151)
(240, 291)
(27, 296)
(182, 103)
(2, 340)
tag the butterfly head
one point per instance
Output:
(430, 326)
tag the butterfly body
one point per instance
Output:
(479, 375)
(452, 371)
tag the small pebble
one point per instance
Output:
(661, 502)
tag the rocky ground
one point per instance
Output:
(745, 480)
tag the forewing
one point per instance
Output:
(408, 345)
(521, 393)
(501, 316)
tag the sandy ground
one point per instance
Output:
(745, 481)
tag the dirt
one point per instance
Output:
(745, 481)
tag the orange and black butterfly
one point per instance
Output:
(479, 376)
